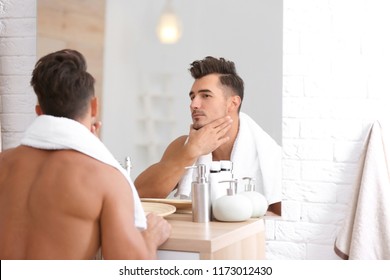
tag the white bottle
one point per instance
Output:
(216, 190)
(227, 168)
(258, 201)
(226, 174)
(232, 207)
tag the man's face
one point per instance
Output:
(208, 100)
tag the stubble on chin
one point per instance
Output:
(196, 125)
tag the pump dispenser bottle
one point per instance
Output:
(258, 201)
(232, 207)
(200, 191)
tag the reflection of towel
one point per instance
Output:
(365, 233)
(255, 154)
(52, 133)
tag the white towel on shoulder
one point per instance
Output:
(365, 232)
(53, 133)
(255, 154)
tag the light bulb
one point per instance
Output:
(169, 26)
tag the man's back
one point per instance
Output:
(50, 203)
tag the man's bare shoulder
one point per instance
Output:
(6, 153)
(179, 141)
(5, 164)
(175, 145)
(12, 158)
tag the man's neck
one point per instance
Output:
(224, 151)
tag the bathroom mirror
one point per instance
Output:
(144, 84)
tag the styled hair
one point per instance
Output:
(226, 70)
(62, 84)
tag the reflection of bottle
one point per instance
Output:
(216, 190)
(226, 166)
(232, 207)
(128, 165)
(258, 201)
(200, 191)
(226, 174)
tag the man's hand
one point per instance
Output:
(157, 232)
(209, 137)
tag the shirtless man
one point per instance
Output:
(62, 204)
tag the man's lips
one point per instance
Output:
(197, 115)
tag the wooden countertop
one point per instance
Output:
(210, 238)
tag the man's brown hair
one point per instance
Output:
(62, 84)
(226, 69)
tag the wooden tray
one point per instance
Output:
(160, 209)
(179, 204)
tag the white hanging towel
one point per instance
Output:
(53, 133)
(365, 232)
(255, 154)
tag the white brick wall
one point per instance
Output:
(17, 59)
(336, 71)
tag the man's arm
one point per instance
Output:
(161, 178)
(119, 236)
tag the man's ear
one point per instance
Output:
(94, 107)
(235, 103)
(38, 110)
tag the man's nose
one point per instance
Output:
(195, 103)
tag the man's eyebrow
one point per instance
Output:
(202, 90)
